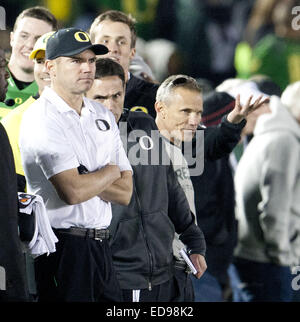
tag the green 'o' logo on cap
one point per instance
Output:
(82, 36)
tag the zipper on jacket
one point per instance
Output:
(142, 223)
(145, 238)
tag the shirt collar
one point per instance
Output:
(87, 103)
(50, 95)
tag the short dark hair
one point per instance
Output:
(116, 16)
(38, 12)
(108, 67)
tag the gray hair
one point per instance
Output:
(175, 81)
(291, 99)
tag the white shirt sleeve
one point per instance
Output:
(57, 155)
(43, 142)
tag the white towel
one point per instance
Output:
(44, 239)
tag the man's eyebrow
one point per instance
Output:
(101, 96)
(81, 59)
(121, 38)
(107, 96)
(75, 57)
(118, 37)
(183, 108)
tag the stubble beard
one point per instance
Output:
(27, 70)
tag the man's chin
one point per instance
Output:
(86, 86)
(188, 136)
(182, 139)
(28, 70)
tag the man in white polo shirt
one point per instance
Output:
(73, 157)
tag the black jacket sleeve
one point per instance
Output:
(180, 214)
(221, 140)
(11, 255)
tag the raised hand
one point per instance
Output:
(241, 112)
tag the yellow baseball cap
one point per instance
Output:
(39, 48)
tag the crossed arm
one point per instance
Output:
(108, 183)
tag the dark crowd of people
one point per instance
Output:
(154, 161)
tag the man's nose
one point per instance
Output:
(113, 47)
(109, 104)
(86, 67)
(194, 119)
(45, 70)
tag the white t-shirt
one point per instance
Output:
(55, 138)
(181, 169)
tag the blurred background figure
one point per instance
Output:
(245, 88)
(267, 203)
(272, 47)
(12, 123)
(117, 31)
(139, 68)
(168, 62)
(29, 26)
(13, 283)
(214, 200)
(139, 65)
(208, 30)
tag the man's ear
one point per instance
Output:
(50, 66)
(160, 108)
(132, 53)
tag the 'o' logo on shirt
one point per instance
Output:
(146, 142)
(82, 36)
(18, 100)
(102, 125)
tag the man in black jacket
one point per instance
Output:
(117, 32)
(13, 284)
(143, 232)
(179, 107)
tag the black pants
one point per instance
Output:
(80, 270)
(185, 284)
